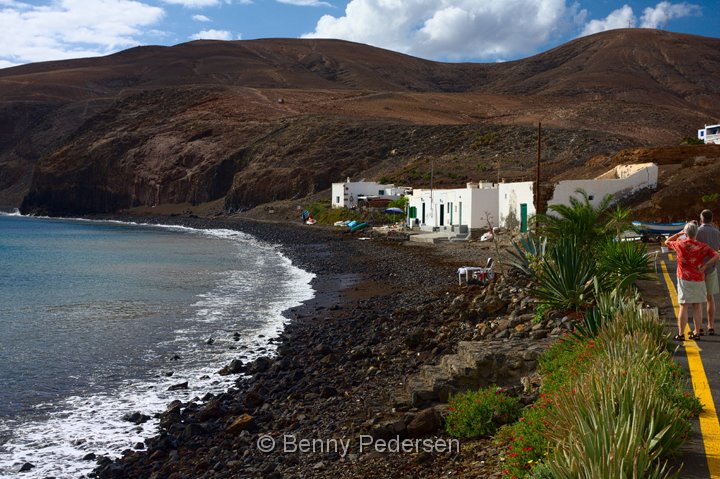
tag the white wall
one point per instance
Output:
(348, 192)
(623, 180)
(511, 196)
(498, 204)
(484, 207)
(338, 195)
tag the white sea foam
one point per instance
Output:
(93, 423)
(12, 212)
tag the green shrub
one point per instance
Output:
(711, 198)
(565, 361)
(324, 214)
(540, 311)
(480, 413)
(484, 140)
(401, 203)
(692, 140)
(527, 439)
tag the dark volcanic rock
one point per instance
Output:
(236, 366)
(425, 422)
(136, 417)
(178, 386)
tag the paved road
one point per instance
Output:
(701, 454)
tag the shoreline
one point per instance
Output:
(253, 347)
(381, 311)
(349, 275)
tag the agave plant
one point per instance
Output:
(608, 305)
(615, 425)
(529, 249)
(565, 279)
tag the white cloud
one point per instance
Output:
(652, 17)
(620, 18)
(193, 3)
(200, 18)
(212, 35)
(64, 29)
(453, 29)
(665, 11)
(306, 3)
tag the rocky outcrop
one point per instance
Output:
(476, 365)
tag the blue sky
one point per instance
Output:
(443, 30)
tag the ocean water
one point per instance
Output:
(98, 319)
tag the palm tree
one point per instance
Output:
(581, 220)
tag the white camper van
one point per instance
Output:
(710, 134)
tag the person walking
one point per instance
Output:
(710, 235)
(693, 258)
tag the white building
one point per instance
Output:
(710, 134)
(347, 194)
(620, 182)
(508, 205)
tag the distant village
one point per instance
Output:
(483, 205)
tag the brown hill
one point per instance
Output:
(264, 120)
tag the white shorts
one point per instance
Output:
(690, 292)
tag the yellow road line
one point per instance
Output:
(709, 424)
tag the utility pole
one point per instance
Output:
(537, 178)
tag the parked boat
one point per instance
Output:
(646, 228)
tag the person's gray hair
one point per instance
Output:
(691, 230)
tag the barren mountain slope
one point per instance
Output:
(253, 121)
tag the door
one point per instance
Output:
(523, 217)
(423, 213)
(442, 215)
(460, 213)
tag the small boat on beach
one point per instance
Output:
(645, 228)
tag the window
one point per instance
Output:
(337, 199)
(413, 212)
(381, 192)
(591, 197)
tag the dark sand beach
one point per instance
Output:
(381, 310)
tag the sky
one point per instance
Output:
(441, 30)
